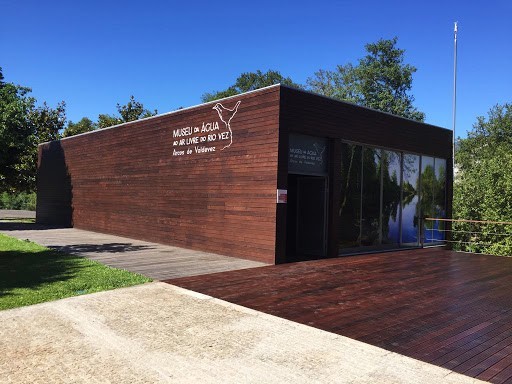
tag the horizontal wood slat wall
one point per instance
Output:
(310, 114)
(126, 181)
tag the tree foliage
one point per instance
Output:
(47, 122)
(131, 111)
(483, 185)
(380, 81)
(20, 200)
(84, 125)
(15, 135)
(23, 125)
(250, 81)
(105, 120)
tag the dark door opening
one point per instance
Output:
(306, 217)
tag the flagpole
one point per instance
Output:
(454, 107)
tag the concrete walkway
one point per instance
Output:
(159, 333)
(10, 214)
(157, 261)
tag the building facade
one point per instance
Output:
(274, 175)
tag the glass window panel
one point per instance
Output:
(439, 194)
(350, 203)
(410, 177)
(370, 216)
(382, 197)
(391, 174)
(428, 181)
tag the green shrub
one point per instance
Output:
(22, 200)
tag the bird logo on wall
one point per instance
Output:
(226, 115)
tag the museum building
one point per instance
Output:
(274, 175)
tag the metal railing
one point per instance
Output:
(477, 236)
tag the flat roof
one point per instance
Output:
(248, 93)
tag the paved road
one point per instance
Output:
(159, 333)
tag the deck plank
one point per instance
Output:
(156, 261)
(447, 308)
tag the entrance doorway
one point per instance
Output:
(306, 218)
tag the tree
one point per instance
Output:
(487, 134)
(380, 81)
(84, 125)
(134, 110)
(47, 122)
(22, 127)
(131, 111)
(483, 185)
(250, 81)
(105, 121)
(15, 134)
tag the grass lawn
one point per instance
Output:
(31, 273)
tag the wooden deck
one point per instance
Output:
(450, 309)
(157, 261)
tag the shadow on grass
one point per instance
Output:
(101, 248)
(19, 269)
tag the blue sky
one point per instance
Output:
(94, 54)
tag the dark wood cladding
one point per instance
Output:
(311, 114)
(126, 181)
(314, 115)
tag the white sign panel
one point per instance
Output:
(207, 137)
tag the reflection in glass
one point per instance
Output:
(433, 180)
(411, 173)
(440, 198)
(391, 168)
(371, 197)
(350, 203)
(428, 181)
(435, 229)
(383, 195)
